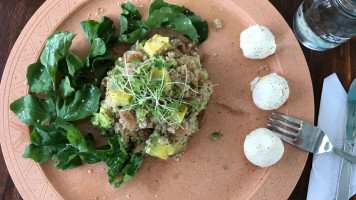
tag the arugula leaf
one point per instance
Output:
(131, 26)
(73, 135)
(106, 28)
(99, 57)
(70, 156)
(161, 15)
(129, 18)
(215, 135)
(172, 19)
(101, 65)
(90, 157)
(32, 110)
(56, 49)
(63, 141)
(74, 64)
(118, 160)
(200, 25)
(62, 68)
(65, 87)
(73, 162)
(114, 158)
(103, 29)
(90, 29)
(158, 4)
(39, 154)
(48, 135)
(46, 141)
(134, 36)
(130, 169)
(39, 79)
(98, 48)
(84, 103)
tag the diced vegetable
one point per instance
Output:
(118, 98)
(159, 146)
(156, 44)
(215, 135)
(179, 147)
(103, 119)
(179, 116)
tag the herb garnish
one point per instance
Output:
(215, 135)
(149, 94)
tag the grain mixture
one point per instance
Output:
(153, 96)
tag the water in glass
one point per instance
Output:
(325, 24)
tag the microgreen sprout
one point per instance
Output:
(139, 80)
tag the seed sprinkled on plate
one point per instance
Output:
(176, 158)
(217, 23)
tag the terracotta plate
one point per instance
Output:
(208, 169)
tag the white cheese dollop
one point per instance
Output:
(263, 148)
(257, 42)
(269, 92)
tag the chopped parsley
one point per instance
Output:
(215, 135)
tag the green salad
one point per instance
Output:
(64, 88)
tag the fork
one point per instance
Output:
(305, 136)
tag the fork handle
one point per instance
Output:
(345, 155)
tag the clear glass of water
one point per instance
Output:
(324, 24)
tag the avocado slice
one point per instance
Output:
(157, 43)
(103, 119)
(179, 116)
(118, 98)
(179, 146)
(159, 146)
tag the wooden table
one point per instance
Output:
(14, 14)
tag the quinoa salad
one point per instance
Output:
(153, 96)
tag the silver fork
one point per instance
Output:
(305, 136)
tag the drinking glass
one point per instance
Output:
(325, 24)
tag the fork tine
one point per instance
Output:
(288, 118)
(282, 129)
(284, 124)
(285, 138)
